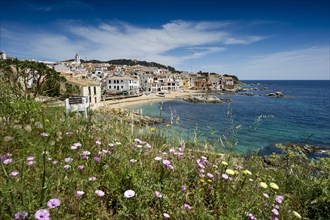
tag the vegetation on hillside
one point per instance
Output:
(67, 167)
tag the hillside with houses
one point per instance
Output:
(106, 80)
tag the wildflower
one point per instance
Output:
(263, 185)
(210, 175)
(85, 154)
(92, 179)
(42, 214)
(166, 215)
(202, 171)
(225, 176)
(275, 218)
(7, 161)
(169, 167)
(66, 167)
(265, 195)
(21, 215)
(139, 146)
(44, 134)
(201, 175)
(80, 194)
(55, 162)
(14, 173)
(187, 207)
(240, 167)
(275, 211)
(8, 138)
(30, 158)
(69, 133)
(53, 203)
(132, 160)
(68, 159)
(152, 129)
(158, 195)
(148, 146)
(99, 193)
(81, 167)
(98, 143)
(224, 163)
(210, 180)
(158, 158)
(279, 199)
(202, 180)
(274, 185)
(251, 216)
(247, 172)
(166, 162)
(168, 125)
(129, 193)
(230, 172)
(296, 214)
(184, 188)
(28, 128)
(97, 159)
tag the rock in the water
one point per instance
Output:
(206, 99)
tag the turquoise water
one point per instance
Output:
(254, 122)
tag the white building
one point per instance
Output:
(2, 55)
(88, 88)
(118, 83)
(160, 82)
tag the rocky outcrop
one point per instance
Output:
(130, 117)
(205, 99)
(275, 94)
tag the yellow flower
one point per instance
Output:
(274, 185)
(296, 214)
(230, 172)
(168, 125)
(46, 120)
(224, 163)
(263, 185)
(209, 180)
(152, 129)
(247, 172)
(202, 180)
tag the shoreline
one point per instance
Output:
(144, 99)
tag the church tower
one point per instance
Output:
(77, 59)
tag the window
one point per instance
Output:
(122, 87)
(94, 90)
(110, 81)
(109, 87)
(121, 81)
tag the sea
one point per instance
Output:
(252, 122)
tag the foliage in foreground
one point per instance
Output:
(60, 167)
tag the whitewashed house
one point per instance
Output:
(122, 83)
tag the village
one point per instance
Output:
(103, 81)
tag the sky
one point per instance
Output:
(252, 39)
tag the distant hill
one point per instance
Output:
(129, 62)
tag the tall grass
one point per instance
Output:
(59, 167)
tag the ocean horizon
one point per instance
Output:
(253, 123)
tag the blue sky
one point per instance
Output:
(252, 39)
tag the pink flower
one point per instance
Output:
(187, 207)
(14, 173)
(7, 161)
(80, 194)
(42, 214)
(129, 194)
(158, 158)
(98, 143)
(68, 159)
(99, 193)
(81, 167)
(225, 176)
(158, 195)
(53, 203)
(166, 162)
(66, 167)
(184, 188)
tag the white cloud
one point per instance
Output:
(169, 44)
(303, 64)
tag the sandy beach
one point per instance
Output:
(124, 103)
